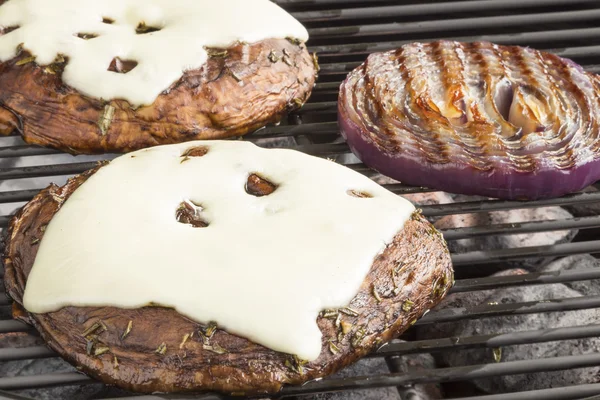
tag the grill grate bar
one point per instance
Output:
(412, 10)
(468, 207)
(562, 393)
(572, 53)
(521, 227)
(334, 85)
(18, 195)
(497, 255)
(548, 38)
(11, 325)
(446, 374)
(487, 341)
(440, 27)
(500, 310)
(538, 278)
(362, 382)
(26, 353)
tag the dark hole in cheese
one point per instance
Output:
(257, 186)
(189, 213)
(122, 66)
(197, 151)
(142, 29)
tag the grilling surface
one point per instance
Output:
(343, 33)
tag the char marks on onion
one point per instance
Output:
(475, 118)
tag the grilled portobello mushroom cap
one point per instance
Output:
(238, 90)
(155, 349)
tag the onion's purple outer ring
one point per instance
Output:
(464, 179)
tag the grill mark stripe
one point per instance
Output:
(452, 69)
(428, 141)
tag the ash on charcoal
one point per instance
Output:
(581, 261)
(505, 241)
(378, 366)
(509, 241)
(364, 367)
(586, 209)
(493, 218)
(47, 366)
(515, 323)
(416, 363)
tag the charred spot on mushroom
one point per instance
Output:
(258, 186)
(189, 213)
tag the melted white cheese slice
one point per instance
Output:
(48, 28)
(263, 269)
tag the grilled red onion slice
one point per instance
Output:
(475, 118)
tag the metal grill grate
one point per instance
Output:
(343, 32)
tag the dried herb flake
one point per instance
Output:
(376, 294)
(497, 354)
(96, 326)
(185, 339)
(407, 305)
(346, 327)
(99, 350)
(333, 348)
(106, 119)
(349, 311)
(162, 349)
(273, 56)
(127, 330)
(215, 348)
(25, 60)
